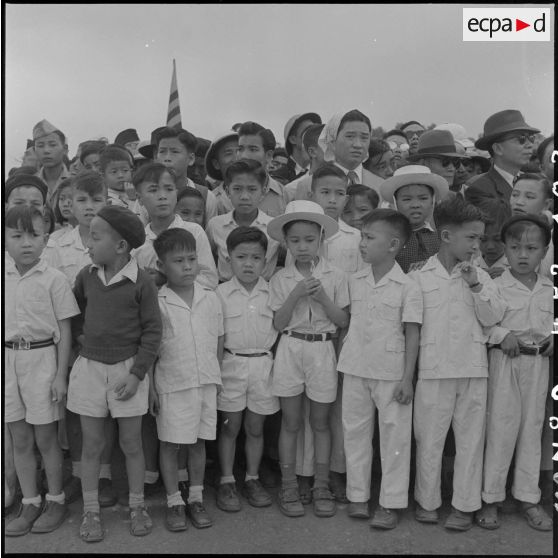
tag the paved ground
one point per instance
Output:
(257, 531)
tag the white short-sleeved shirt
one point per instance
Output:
(308, 315)
(35, 302)
(120, 198)
(224, 204)
(188, 351)
(147, 257)
(452, 341)
(71, 254)
(219, 228)
(374, 347)
(529, 313)
(248, 318)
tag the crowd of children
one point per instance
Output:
(189, 312)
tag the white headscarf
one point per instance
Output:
(329, 134)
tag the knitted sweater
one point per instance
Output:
(118, 321)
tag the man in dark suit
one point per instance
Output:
(509, 140)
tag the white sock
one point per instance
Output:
(195, 494)
(227, 479)
(151, 477)
(174, 499)
(36, 500)
(105, 472)
(76, 469)
(251, 477)
(59, 499)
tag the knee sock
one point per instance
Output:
(91, 502)
(195, 494)
(174, 499)
(59, 498)
(135, 500)
(321, 478)
(105, 471)
(36, 501)
(288, 475)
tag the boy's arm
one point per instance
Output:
(282, 316)
(59, 386)
(404, 389)
(339, 316)
(79, 294)
(153, 395)
(489, 304)
(208, 272)
(220, 349)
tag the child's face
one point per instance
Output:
(103, 242)
(303, 241)
(50, 150)
(525, 255)
(116, 174)
(463, 241)
(25, 247)
(251, 147)
(383, 167)
(85, 207)
(26, 195)
(415, 201)
(247, 261)
(491, 245)
(180, 267)
(65, 203)
(356, 209)
(158, 198)
(174, 155)
(330, 192)
(245, 193)
(527, 196)
(191, 209)
(351, 144)
(377, 243)
(91, 162)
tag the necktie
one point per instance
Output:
(353, 177)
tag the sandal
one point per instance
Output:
(537, 518)
(324, 502)
(91, 528)
(140, 522)
(487, 517)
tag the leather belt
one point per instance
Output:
(249, 355)
(532, 350)
(27, 345)
(310, 336)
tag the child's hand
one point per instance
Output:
(318, 294)
(550, 349)
(495, 272)
(127, 388)
(306, 287)
(403, 392)
(154, 406)
(510, 345)
(469, 273)
(130, 190)
(58, 388)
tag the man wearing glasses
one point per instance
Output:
(412, 130)
(509, 140)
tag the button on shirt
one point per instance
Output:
(219, 228)
(529, 314)
(147, 257)
(452, 341)
(375, 344)
(248, 318)
(35, 302)
(188, 352)
(308, 315)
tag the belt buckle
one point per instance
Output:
(23, 345)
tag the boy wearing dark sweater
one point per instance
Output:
(119, 332)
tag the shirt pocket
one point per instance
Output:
(544, 311)
(389, 309)
(233, 321)
(429, 354)
(432, 296)
(516, 314)
(357, 306)
(479, 354)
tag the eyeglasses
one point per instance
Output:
(465, 163)
(401, 146)
(412, 133)
(447, 162)
(521, 138)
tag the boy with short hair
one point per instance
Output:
(176, 149)
(38, 307)
(118, 301)
(116, 165)
(258, 143)
(360, 201)
(156, 188)
(246, 367)
(521, 345)
(244, 185)
(414, 190)
(378, 360)
(190, 205)
(492, 258)
(459, 299)
(183, 395)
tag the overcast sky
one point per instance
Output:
(94, 70)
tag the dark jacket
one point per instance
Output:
(490, 185)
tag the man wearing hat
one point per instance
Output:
(297, 164)
(436, 150)
(129, 139)
(221, 153)
(51, 148)
(509, 140)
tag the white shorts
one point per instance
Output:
(247, 383)
(91, 390)
(28, 376)
(305, 365)
(188, 415)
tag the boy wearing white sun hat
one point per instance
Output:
(310, 300)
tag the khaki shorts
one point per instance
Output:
(188, 415)
(305, 366)
(247, 384)
(28, 376)
(91, 390)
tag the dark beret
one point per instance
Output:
(125, 223)
(535, 219)
(23, 179)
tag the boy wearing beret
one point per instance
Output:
(118, 301)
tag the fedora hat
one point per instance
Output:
(293, 123)
(211, 154)
(302, 210)
(435, 143)
(502, 123)
(414, 174)
(148, 150)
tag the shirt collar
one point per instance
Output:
(358, 171)
(260, 219)
(394, 274)
(426, 226)
(130, 270)
(172, 298)
(508, 279)
(261, 285)
(508, 177)
(176, 223)
(322, 267)
(272, 184)
(10, 266)
(71, 237)
(298, 169)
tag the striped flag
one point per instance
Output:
(173, 114)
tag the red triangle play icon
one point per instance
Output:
(519, 25)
